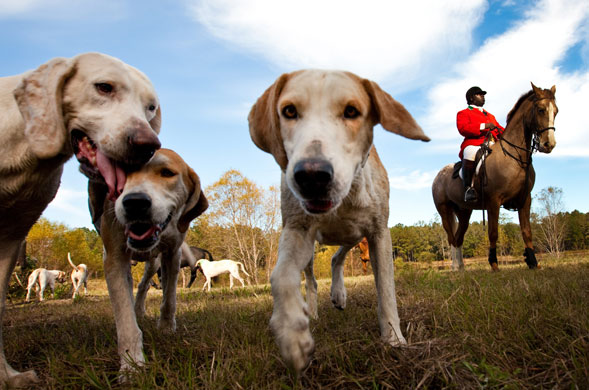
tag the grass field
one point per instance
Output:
(515, 329)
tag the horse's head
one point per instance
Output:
(544, 112)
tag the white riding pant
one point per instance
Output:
(470, 152)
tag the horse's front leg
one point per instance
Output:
(524, 224)
(457, 236)
(493, 212)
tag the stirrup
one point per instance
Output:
(470, 195)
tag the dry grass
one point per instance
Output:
(475, 329)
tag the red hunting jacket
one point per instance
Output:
(469, 123)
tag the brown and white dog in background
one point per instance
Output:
(318, 125)
(79, 276)
(42, 278)
(149, 219)
(92, 105)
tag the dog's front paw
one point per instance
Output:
(22, 379)
(129, 368)
(167, 324)
(395, 339)
(294, 340)
(339, 296)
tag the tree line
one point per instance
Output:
(243, 223)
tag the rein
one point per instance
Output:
(533, 148)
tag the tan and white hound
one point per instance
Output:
(41, 278)
(318, 125)
(79, 276)
(149, 219)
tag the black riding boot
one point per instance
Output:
(470, 194)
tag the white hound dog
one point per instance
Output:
(210, 269)
(318, 126)
(79, 276)
(41, 278)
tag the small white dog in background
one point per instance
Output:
(41, 278)
(210, 269)
(79, 276)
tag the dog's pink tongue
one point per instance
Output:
(141, 237)
(113, 175)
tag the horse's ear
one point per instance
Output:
(264, 123)
(391, 114)
(39, 97)
(553, 89)
(536, 90)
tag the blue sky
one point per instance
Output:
(209, 60)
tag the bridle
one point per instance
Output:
(534, 147)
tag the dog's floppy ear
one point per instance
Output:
(196, 204)
(391, 114)
(264, 122)
(39, 98)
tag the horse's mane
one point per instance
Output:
(517, 105)
(522, 99)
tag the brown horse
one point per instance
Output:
(509, 176)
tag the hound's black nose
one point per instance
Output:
(314, 177)
(137, 205)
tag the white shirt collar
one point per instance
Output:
(477, 107)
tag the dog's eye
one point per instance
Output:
(151, 107)
(290, 112)
(104, 88)
(351, 112)
(167, 173)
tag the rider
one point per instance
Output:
(474, 123)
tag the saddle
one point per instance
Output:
(477, 162)
(513, 204)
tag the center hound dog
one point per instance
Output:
(92, 105)
(318, 126)
(41, 278)
(149, 219)
(79, 276)
(210, 269)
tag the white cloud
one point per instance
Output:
(373, 38)
(414, 180)
(69, 205)
(505, 66)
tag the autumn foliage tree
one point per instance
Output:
(249, 216)
(49, 243)
(553, 223)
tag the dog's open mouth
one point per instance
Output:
(97, 166)
(144, 235)
(318, 206)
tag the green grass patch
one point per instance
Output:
(513, 329)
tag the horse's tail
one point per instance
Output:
(208, 253)
(71, 262)
(243, 269)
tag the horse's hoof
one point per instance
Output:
(495, 267)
